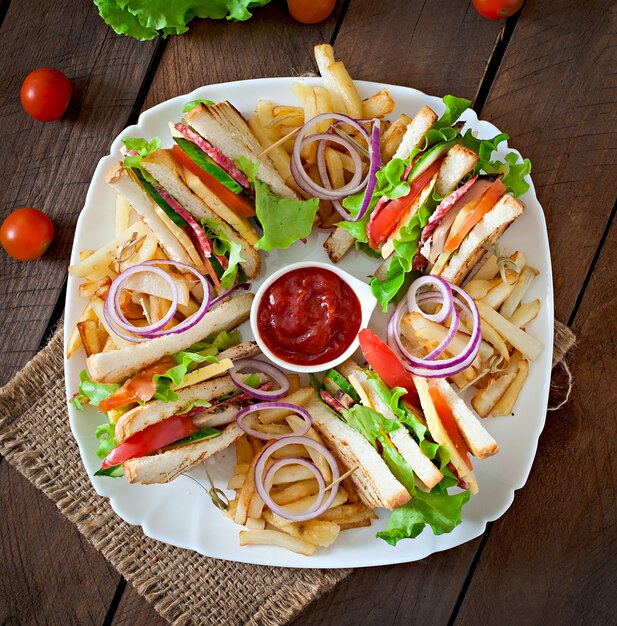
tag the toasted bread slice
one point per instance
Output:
(416, 129)
(225, 128)
(117, 365)
(458, 163)
(440, 435)
(377, 487)
(487, 231)
(479, 441)
(174, 241)
(163, 467)
(163, 168)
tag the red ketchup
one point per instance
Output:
(309, 316)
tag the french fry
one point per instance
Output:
(358, 524)
(498, 294)
(301, 397)
(97, 264)
(256, 506)
(74, 342)
(97, 305)
(242, 468)
(289, 116)
(236, 481)
(323, 103)
(478, 288)
(490, 335)
(525, 313)
(296, 491)
(508, 400)
(244, 451)
(292, 449)
(84, 254)
(334, 165)
(523, 283)
(291, 474)
(348, 514)
(529, 346)
(276, 538)
(277, 154)
(88, 330)
(255, 523)
(324, 56)
(320, 532)
(346, 88)
(484, 401)
(488, 270)
(281, 523)
(294, 382)
(378, 105)
(246, 493)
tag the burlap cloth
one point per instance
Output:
(35, 438)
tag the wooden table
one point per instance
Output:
(548, 77)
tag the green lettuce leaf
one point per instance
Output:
(441, 511)
(225, 247)
(142, 146)
(106, 434)
(193, 103)
(513, 172)
(196, 403)
(145, 19)
(187, 360)
(91, 392)
(455, 107)
(283, 220)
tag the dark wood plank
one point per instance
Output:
(437, 48)
(270, 44)
(133, 610)
(555, 553)
(50, 573)
(49, 166)
(398, 594)
(556, 95)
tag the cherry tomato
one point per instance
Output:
(310, 11)
(26, 233)
(497, 9)
(381, 358)
(45, 94)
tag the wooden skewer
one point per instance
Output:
(279, 142)
(343, 477)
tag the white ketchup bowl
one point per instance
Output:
(367, 305)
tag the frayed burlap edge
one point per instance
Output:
(94, 517)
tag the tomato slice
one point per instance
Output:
(150, 439)
(235, 202)
(449, 423)
(384, 223)
(491, 195)
(139, 387)
(383, 360)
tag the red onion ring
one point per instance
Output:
(442, 286)
(262, 406)
(325, 191)
(429, 367)
(263, 484)
(253, 365)
(116, 319)
(222, 296)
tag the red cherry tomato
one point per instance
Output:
(45, 94)
(310, 11)
(497, 9)
(381, 358)
(26, 233)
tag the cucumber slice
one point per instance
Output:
(429, 157)
(343, 384)
(153, 193)
(197, 155)
(204, 433)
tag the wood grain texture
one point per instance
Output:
(270, 44)
(438, 48)
(49, 166)
(395, 595)
(133, 610)
(50, 573)
(554, 555)
(555, 94)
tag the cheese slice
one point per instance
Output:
(439, 434)
(206, 373)
(388, 247)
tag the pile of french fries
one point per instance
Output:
(276, 126)
(294, 487)
(134, 243)
(501, 367)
